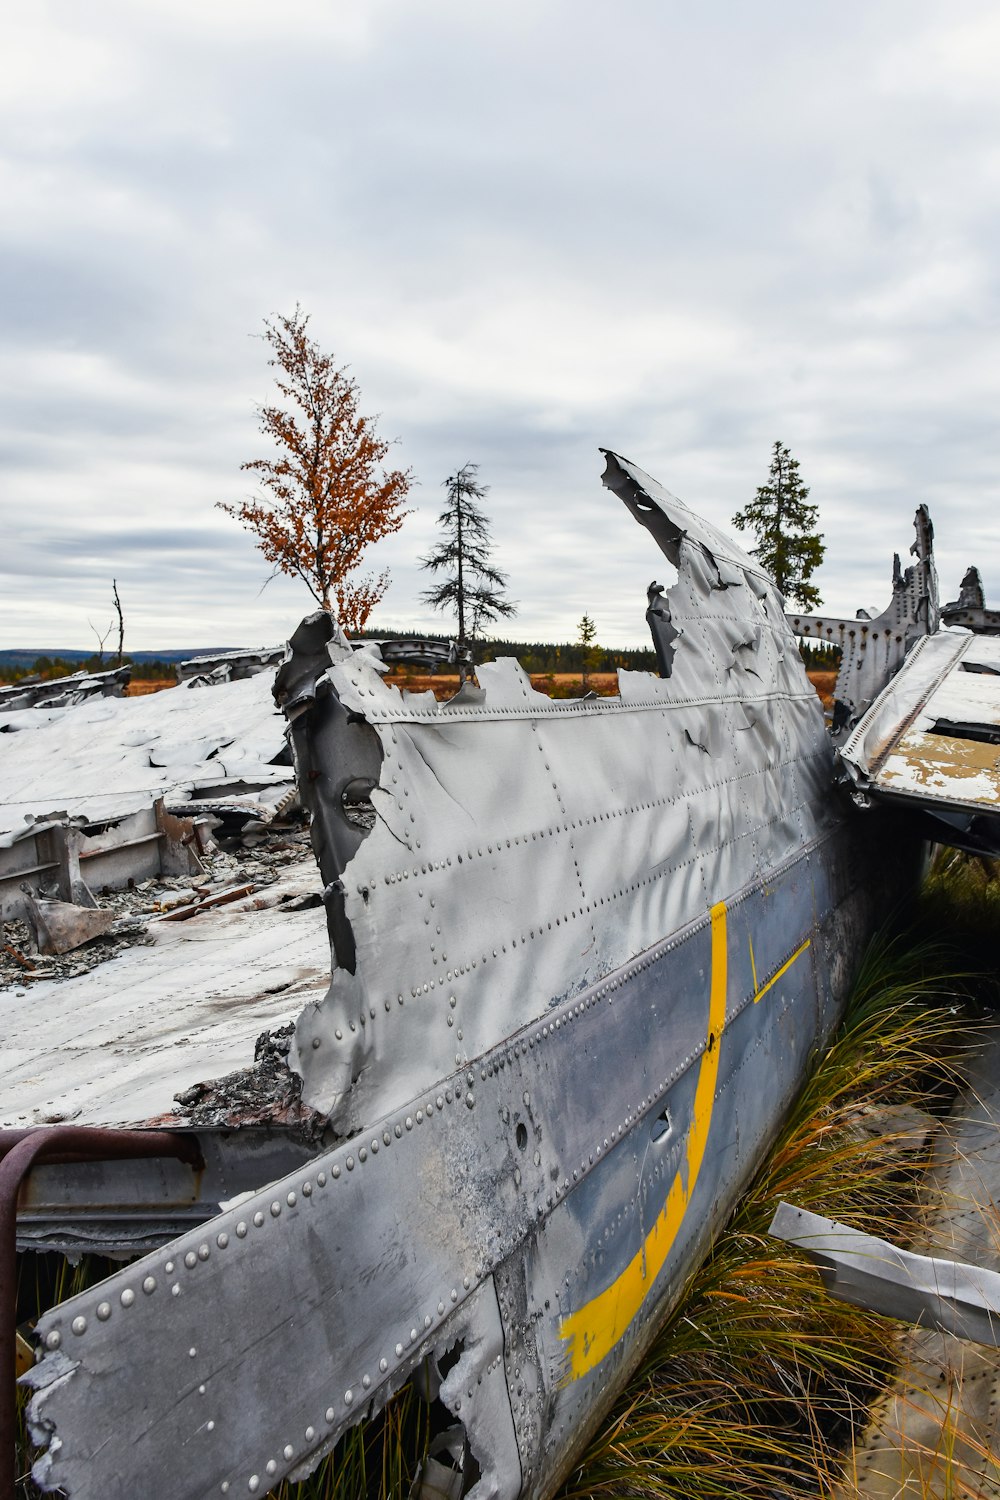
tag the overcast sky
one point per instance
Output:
(530, 229)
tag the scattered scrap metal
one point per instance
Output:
(63, 692)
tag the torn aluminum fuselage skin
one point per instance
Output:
(930, 743)
(873, 646)
(582, 953)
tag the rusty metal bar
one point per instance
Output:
(20, 1150)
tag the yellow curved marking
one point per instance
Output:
(594, 1330)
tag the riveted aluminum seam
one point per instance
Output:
(500, 937)
(462, 1216)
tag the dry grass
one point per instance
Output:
(563, 684)
(554, 684)
(824, 683)
(760, 1380)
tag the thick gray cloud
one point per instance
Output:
(680, 232)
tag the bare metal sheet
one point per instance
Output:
(110, 756)
(525, 847)
(113, 1047)
(933, 736)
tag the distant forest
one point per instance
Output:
(45, 668)
(534, 656)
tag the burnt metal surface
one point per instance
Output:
(570, 944)
(68, 859)
(969, 609)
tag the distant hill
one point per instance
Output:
(27, 656)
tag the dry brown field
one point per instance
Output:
(566, 684)
(823, 682)
(138, 688)
(556, 684)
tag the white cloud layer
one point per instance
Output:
(530, 229)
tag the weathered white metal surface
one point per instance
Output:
(113, 1047)
(110, 756)
(932, 738)
(523, 847)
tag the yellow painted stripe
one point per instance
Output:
(594, 1330)
(753, 967)
(783, 970)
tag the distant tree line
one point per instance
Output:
(540, 656)
(819, 658)
(534, 656)
(45, 668)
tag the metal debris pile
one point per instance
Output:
(166, 807)
(245, 866)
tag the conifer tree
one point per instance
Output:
(586, 635)
(472, 586)
(788, 545)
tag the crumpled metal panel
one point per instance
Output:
(931, 740)
(576, 940)
(524, 847)
(111, 756)
(524, 1169)
(358, 1265)
(935, 1292)
(64, 692)
(874, 646)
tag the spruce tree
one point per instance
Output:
(788, 545)
(473, 587)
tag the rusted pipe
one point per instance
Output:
(19, 1151)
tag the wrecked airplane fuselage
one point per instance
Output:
(582, 951)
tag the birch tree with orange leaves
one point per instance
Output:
(327, 495)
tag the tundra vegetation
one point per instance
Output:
(758, 1383)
